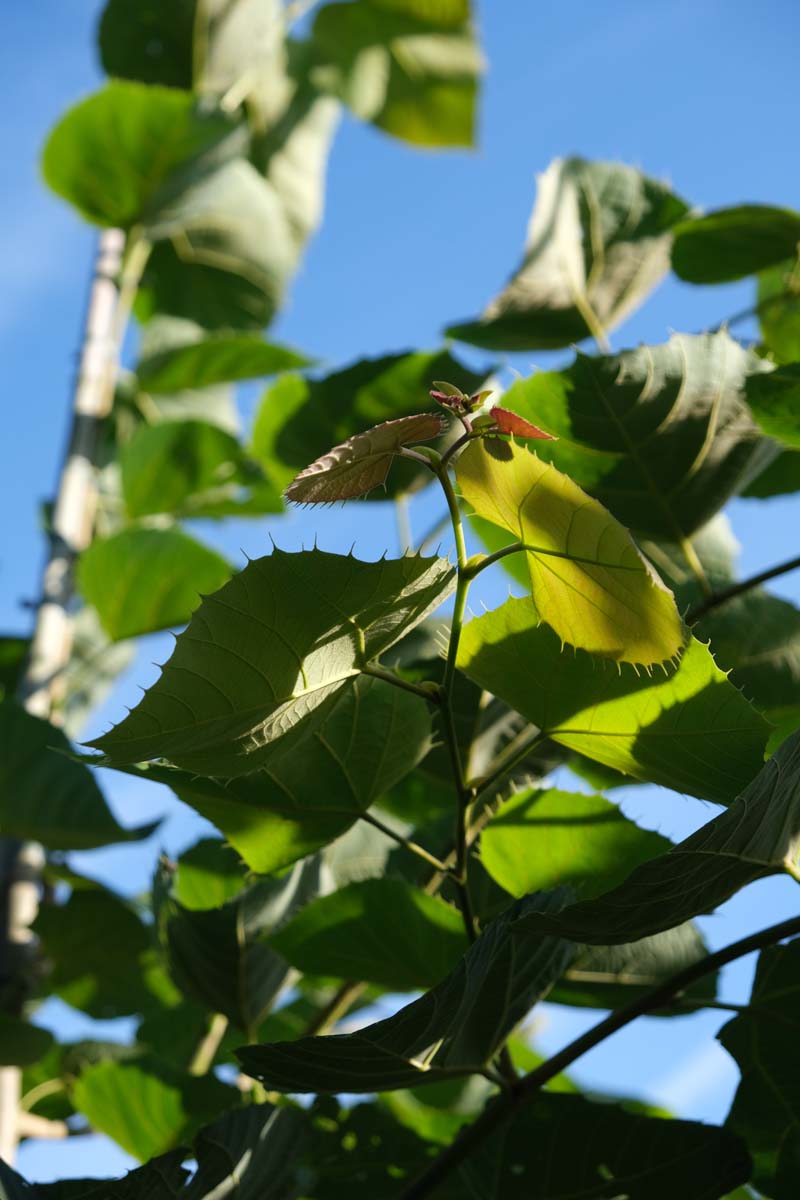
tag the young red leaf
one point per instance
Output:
(362, 462)
(511, 422)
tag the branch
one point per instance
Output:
(506, 1105)
(738, 589)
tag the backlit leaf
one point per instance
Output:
(662, 435)
(598, 241)
(362, 462)
(463, 1020)
(779, 311)
(140, 580)
(588, 580)
(265, 653)
(758, 835)
(219, 358)
(686, 727)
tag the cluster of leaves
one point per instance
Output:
(386, 824)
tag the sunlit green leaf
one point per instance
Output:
(661, 435)
(209, 873)
(733, 242)
(219, 358)
(382, 930)
(47, 796)
(465, 1018)
(300, 419)
(411, 69)
(588, 580)
(758, 835)
(146, 1107)
(686, 727)
(140, 580)
(540, 839)
(774, 398)
(779, 311)
(265, 653)
(780, 478)
(372, 737)
(566, 1148)
(764, 1040)
(598, 241)
(113, 152)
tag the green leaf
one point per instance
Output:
(217, 956)
(146, 1107)
(141, 580)
(148, 40)
(362, 463)
(160, 1179)
(598, 241)
(220, 358)
(757, 637)
(566, 1148)
(733, 242)
(758, 835)
(610, 976)
(779, 311)
(764, 1041)
(685, 727)
(661, 435)
(780, 478)
(372, 736)
(588, 580)
(252, 1154)
(161, 335)
(384, 931)
(465, 1018)
(113, 153)
(299, 418)
(13, 656)
(411, 69)
(209, 873)
(540, 839)
(268, 650)
(22, 1043)
(773, 398)
(97, 950)
(47, 796)
(189, 468)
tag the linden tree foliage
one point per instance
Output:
(327, 994)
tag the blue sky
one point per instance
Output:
(700, 94)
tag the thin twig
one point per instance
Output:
(206, 1052)
(737, 589)
(504, 1106)
(417, 689)
(412, 847)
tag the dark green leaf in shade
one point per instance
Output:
(610, 976)
(148, 40)
(268, 650)
(686, 727)
(765, 1041)
(22, 1043)
(218, 956)
(779, 311)
(733, 242)
(300, 419)
(758, 835)
(147, 1107)
(451, 1030)
(598, 241)
(540, 839)
(774, 398)
(362, 463)
(588, 580)
(757, 637)
(384, 931)
(113, 153)
(371, 737)
(13, 656)
(209, 873)
(253, 1154)
(220, 358)
(411, 69)
(192, 469)
(47, 796)
(565, 1148)
(160, 1179)
(140, 580)
(661, 435)
(780, 478)
(99, 954)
